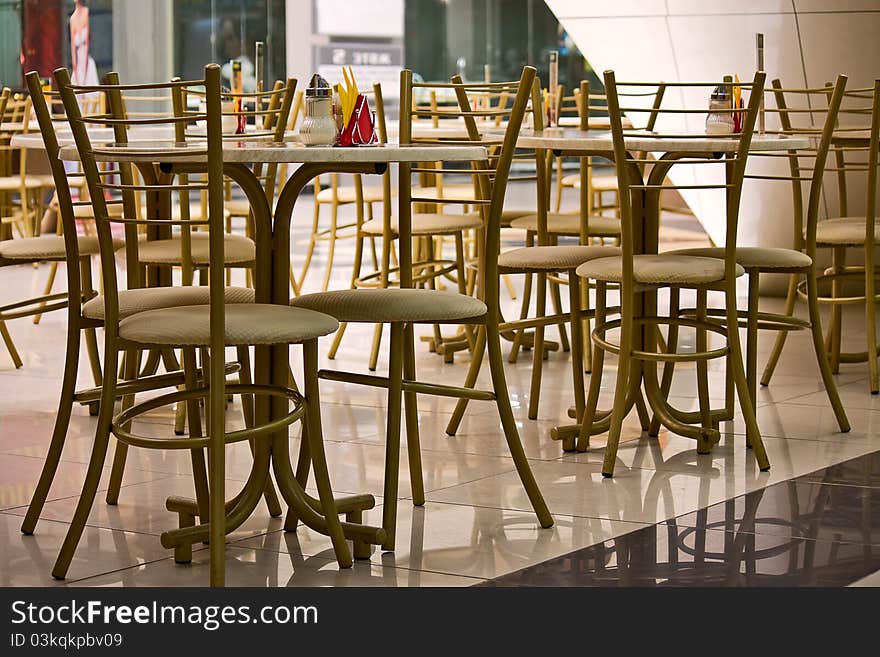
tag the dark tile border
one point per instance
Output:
(819, 529)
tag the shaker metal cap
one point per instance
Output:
(318, 87)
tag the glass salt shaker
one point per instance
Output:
(719, 122)
(319, 125)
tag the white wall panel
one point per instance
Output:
(806, 41)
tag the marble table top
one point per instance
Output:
(572, 139)
(34, 140)
(292, 152)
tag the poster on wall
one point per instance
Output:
(375, 18)
(370, 62)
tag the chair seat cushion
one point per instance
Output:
(47, 247)
(604, 182)
(567, 223)
(246, 324)
(457, 191)
(13, 183)
(754, 257)
(429, 224)
(88, 212)
(238, 250)
(237, 207)
(509, 214)
(153, 298)
(346, 194)
(394, 305)
(659, 269)
(551, 258)
(195, 211)
(849, 231)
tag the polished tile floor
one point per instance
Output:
(476, 526)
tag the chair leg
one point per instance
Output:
(838, 265)
(95, 467)
(331, 247)
(392, 435)
(538, 347)
(247, 407)
(374, 350)
(621, 389)
(318, 458)
(752, 337)
(871, 320)
(215, 416)
(508, 423)
(556, 300)
(10, 345)
(587, 419)
(781, 336)
(59, 432)
(558, 183)
(411, 411)
(822, 354)
(337, 340)
(132, 363)
(87, 289)
(753, 433)
(704, 446)
(668, 367)
(310, 250)
(470, 380)
(577, 350)
(50, 283)
(197, 456)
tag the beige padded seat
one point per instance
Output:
(372, 194)
(600, 183)
(246, 324)
(88, 212)
(567, 223)
(45, 247)
(754, 257)
(845, 231)
(237, 207)
(238, 250)
(509, 214)
(659, 269)
(195, 211)
(429, 224)
(394, 305)
(13, 183)
(153, 298)
(458, 191)
(551, 258)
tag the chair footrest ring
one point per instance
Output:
(600, 341)
(189, 442)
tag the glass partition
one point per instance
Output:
(223, 30)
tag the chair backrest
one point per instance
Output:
(4, 100)
(118, 181)
(490, 177)
(729, 169)
(592, 104)
(855, 147)
(802, 112)
(268, 111)
(45, 106)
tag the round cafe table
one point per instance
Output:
(159, 162)
(646, 209)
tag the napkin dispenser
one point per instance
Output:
(360, 129)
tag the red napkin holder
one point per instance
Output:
(360, 130)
